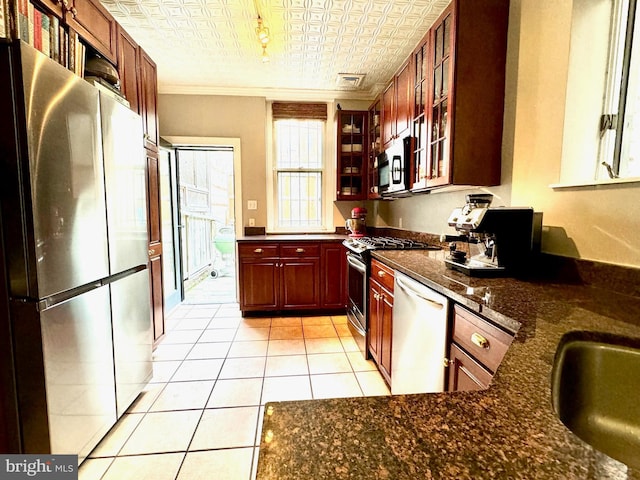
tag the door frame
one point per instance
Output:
(208, 142)
(174, 175)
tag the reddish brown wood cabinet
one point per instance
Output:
(333, 275)
(464, 59)
(291, 276)
(129, 69)
(380, 317)
(155, 245)
(397, 106)
(476, 350)
(466, 373)
(149, 94)
(388, 115)
(404, 100)
(352, 155)
(138, 79)
(93, 23)
(259, 280)
(300, 276)
(375, 147)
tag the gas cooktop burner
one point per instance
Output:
(362, 244)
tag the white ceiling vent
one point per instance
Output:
(349, 80)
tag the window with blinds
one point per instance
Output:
(299, 172)
(299, 165)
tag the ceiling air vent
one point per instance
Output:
(349, 80)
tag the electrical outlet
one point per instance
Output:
(252, 204)
(252, 222)
(400, 223)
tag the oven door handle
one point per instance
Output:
(359, 266)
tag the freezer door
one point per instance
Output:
(125, 174)
(78, 365)
(132, 336)
(63, 221)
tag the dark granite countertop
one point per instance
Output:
(309, 237)
(507, 431)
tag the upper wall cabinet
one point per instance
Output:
(352, 155)
(149, 91)
(397, 106)
(463, 72)
(129, 69)
(89, 19)
(374, 148)
(93, 23)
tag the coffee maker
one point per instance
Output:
(492, 242)
(357, 223)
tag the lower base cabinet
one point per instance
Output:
(381, 317)
(290, 276)
(300, 283)
(476, 350)
(466, 373)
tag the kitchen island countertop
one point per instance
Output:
(507, 431)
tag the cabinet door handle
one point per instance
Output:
(299, 250)
(152, 252)
(447, 363)
(381, 273)
(479, 340)
(258, 250)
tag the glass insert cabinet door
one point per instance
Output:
(421, 83)
(439, 135)
(352, 155)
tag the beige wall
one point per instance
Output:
(593, 223)
(218, 116)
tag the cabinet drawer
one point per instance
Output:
(382, 274)
(258, 250)
(486, 343)
(299, 250)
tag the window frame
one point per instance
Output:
(616, 92)
(601, 149)
(328, 174)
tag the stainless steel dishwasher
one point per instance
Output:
(418, 338)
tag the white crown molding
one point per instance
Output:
(268, 93)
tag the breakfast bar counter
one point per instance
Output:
(507, 431)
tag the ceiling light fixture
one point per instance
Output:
(263, 37)
(262, 32)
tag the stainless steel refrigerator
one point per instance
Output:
(74, 242)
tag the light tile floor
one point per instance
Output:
(200, 416)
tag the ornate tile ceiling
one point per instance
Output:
(212, 45)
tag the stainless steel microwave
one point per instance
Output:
(394, 168)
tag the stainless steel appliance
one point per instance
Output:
(493, 241)
(359, 268)
(394, 168)
(74, 242)
(419, 337)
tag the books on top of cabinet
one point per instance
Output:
(20, 19)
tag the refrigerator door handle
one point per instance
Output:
(57, 299)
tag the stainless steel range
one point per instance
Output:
(359, 266)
